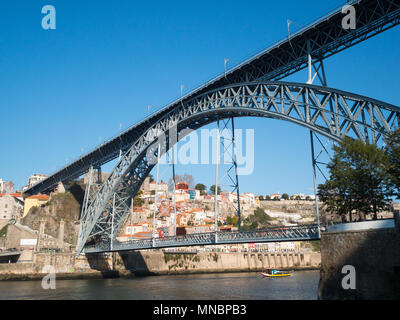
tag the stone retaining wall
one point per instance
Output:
(375, 255)
(168, 263)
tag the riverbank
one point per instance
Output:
(147, 263)
(59, 276)
(129, 274)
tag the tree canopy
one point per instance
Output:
(393, 154)
(358, 180)
(258, 219)
(201, 187)
(212, 189)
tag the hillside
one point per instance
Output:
(66, 206)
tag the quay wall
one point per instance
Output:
(158, 262)
(138, 263)
(375, 256)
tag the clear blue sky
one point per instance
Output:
(64, 91)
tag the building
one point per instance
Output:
(181, 219)
(35, 201)
(36, 178)
(199, 214)
(181, 195)
(162, 187)
(11, 206)
(182, 186)
(194, 194)
(139, 214)
(248, 198)
(275, 196)
(6, 186)
(134, 228)
(302, 196)
(289, 246)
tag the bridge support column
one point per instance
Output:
(226, 139)
(315, 181)
(320, 72)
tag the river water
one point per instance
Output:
(225, 286)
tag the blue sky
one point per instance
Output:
(64, 91)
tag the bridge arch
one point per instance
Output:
(330, 112)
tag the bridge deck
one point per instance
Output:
(298, 233)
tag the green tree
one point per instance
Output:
(258, 219)
(285, 196)
(202, 188)
(358, 179)
(212, 189)
(235, 220)
(393, 154)
(137, 201)
(267, 197)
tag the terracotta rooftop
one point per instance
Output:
(41, 197)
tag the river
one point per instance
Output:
(224, 286)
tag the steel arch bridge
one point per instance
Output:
(327, 111)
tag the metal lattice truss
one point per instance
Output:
(330, 112)
(298, 233)
(230, 179)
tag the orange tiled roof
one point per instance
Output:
(11, 194)
(41, 197)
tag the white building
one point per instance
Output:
(11, 206)
(161, 187)
(6, 186)
(135, 228)
(36, 178)
(288, 246)
(249, 198)
(303, 196)
(275, 196)
(199, 214)
(286, 216)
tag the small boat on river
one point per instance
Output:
(272, 273)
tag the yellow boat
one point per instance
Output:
(275, 274)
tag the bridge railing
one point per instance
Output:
(304, 232)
